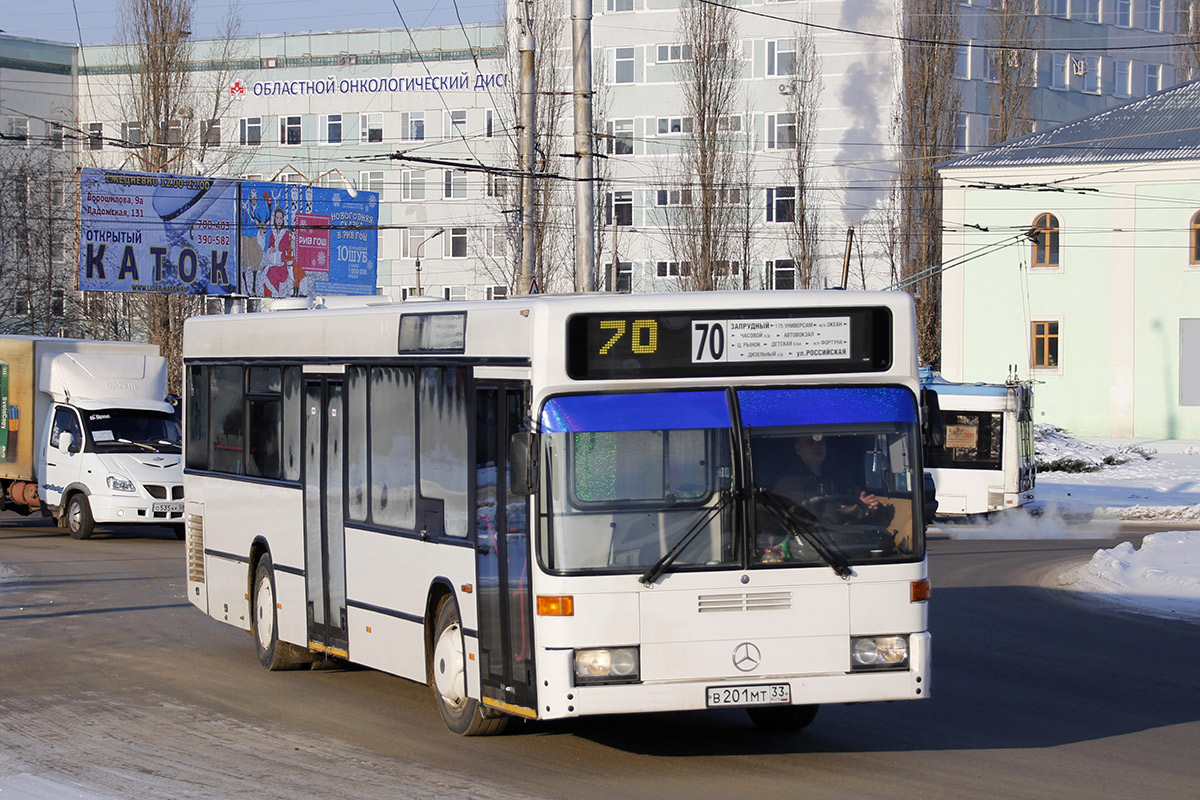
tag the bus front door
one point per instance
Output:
(502, 555)
(324, 534)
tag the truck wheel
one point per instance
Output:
(264, 624)
(80, 522)
(447, 677)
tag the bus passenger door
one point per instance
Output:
(324, 534)
(503, 556)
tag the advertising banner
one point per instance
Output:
(296, 241)
(157, 233)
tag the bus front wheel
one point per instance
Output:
(264, 623)
(782, 718)
(448, 677)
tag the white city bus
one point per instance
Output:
(551, 507)
(986, 462)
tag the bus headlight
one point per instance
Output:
(607, 665)
(120, 484)
(879, 652)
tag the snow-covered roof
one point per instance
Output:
(1162, 127)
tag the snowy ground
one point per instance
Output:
(1147, 481)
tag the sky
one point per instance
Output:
(1158, 482)
(98, 19)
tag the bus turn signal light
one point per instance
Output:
(919, 591)
(555, 605)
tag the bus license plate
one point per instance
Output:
(766, 694)
(167, 508)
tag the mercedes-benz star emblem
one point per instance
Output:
(747, 657)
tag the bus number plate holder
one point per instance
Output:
(763, 694)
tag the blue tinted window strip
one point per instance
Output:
(764, 408)
(636, 412)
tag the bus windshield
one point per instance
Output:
(631, 479)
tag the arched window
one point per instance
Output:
(1045, 241)
(1194, 258)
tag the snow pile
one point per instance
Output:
(1055, 450)
(1161, 578)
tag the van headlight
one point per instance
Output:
(607, 665)
(121, 484)
(878, 652)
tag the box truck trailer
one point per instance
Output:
(88, 435)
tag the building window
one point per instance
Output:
(58, 303)
(210, 132)
(618, 277)
(1195, 240)
(289, 130)
(962, 62)
(781, 57)
(1091, 74)
(960, 131)
(673, 269)
(412, 124)
(171, 133)
(497, 241)
(1153, 78)
(497, 292)
(781, 131)
(95, 139)
(331, 129)
(456, 244)
(455, 293)
(1123, 13)
(21, 306)
(781, 204)
(1154, 15)
(1088, 10)
(619, 5)
(1045, 241)
(623, 65)
(412, 185)
(456, 124)
(54, 130)
(620, 137)
(490, 124)
(670, 125)
(250, 132)
(18, 128)
(131, 132)
(372, 128)
(1122, 78)
(674, 53)
(619, 209)
(497, 185)
(371, 180)
(1045, 345)
(673, 197)
(781, 274)
(1058, 8)
(1060, 71)
(454, 185)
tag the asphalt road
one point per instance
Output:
(113, 686)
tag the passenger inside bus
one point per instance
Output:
(813, 480)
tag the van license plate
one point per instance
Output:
(764, 694)
(167, 508)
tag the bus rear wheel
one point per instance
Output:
(264, 623)
(782, 718)
(448, 677)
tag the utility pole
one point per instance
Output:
(528, 89)
(585, 219)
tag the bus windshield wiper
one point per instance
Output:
(660, 566)
(802, 528)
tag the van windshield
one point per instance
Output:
(121, 430)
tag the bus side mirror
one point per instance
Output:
(932, 426)
(523, 463)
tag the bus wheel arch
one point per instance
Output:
(77, 515)
(273, 653)
(446, 670)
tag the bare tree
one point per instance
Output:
(37, 220)
(703, 216)
(1013, 28)
(926, 119)
(1187, 37)
(804, 103)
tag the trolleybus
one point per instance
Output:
(549, 507)
(986, 461)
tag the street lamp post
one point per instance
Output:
(439, 232)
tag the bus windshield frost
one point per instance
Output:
(668, 481)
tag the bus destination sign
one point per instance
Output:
(660, 345)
